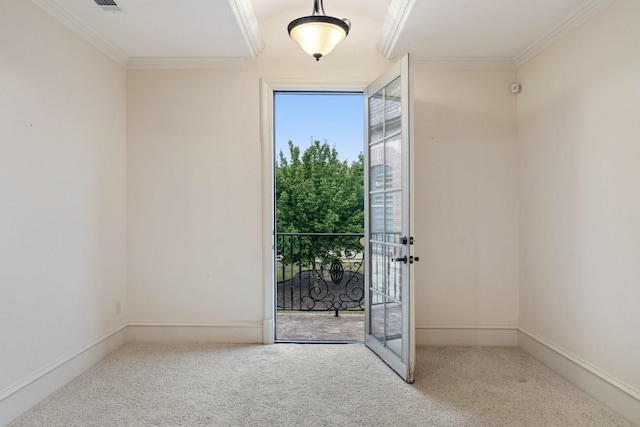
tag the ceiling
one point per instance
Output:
(227, 33)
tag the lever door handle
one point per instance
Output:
(404, 259)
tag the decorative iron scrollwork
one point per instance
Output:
(320, 272)
(336, 271)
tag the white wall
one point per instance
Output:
(194, 196)
(194, 209)
(466, 200)
(579, 130)
(62, 194)
(194, 165)
(194, 202)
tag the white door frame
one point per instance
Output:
(267, 89)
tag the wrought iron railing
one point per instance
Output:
(320, 271)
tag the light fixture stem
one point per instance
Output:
(318, 8)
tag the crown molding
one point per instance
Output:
(396, 18)
(186, 63)
(243, 11)
(59, 12)
(464, 63)
(399, 11)
(569, 23)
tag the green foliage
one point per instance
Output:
(318, 193)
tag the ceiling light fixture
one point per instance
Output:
(318, 34)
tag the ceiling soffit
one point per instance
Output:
(58, 11)
(242, 10)
(400, 12)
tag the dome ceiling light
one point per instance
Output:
(318, 34)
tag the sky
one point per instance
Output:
(335, 118)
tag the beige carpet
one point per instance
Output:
(316, 385)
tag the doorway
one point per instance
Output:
(319, 216)
(389, 317)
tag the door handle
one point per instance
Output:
(404, 259)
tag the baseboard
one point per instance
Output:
(615, 394)
(489, 335)
(21, 396)
(236, 332)
(268, 331)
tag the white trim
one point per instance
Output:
(186, 63)
(268, 331)
(461, 326)
(243, 11)
(239, 324)
(612, 392)
(19, 397)
(267, 89)
(217, 332)
(464, 63)
(57, 363)
(582, 363)
(480, 335)
(396, 18)
(59, 12)
(274, 85)
(268, 211)
(394, 22)
(399, 11)
(568, 24)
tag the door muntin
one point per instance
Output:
(388, 322)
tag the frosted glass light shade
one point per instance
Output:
(318, 35)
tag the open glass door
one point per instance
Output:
(389, 322)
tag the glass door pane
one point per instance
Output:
(388, 327)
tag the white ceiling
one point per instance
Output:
(228, 31)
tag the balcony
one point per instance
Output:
(320, 286)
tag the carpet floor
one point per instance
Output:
(316, 385)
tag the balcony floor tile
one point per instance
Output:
(322, 326)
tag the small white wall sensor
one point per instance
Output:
(515, 88)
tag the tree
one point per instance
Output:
(318, 193)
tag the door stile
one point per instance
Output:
(389, 299)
